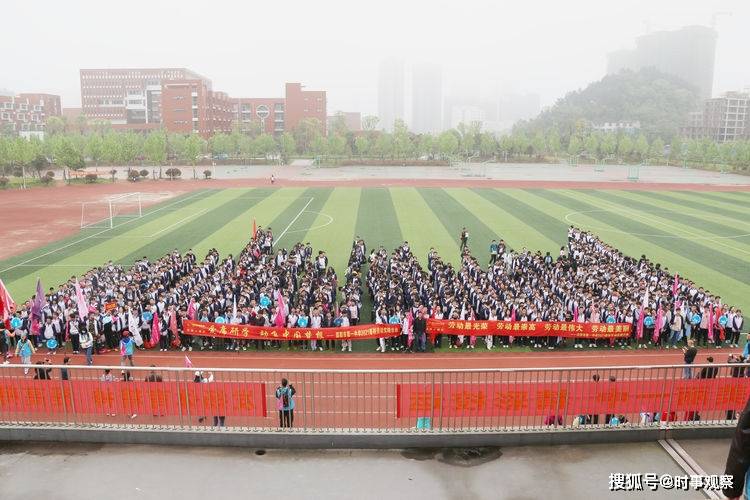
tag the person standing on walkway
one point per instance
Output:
(127, 346)
(464, 239)
(690, 352)
(285, 403)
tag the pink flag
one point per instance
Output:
(191, 310)
(675, 285)
(155, 330)
(83, 308)
(188, 363)
(657, 327)
(38, 303)
(711, 323)
(280, 310)
(639, 327)
(511, 338)
(7, 305)
(408, 321)
(575, 314)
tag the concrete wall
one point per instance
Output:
(322, 440)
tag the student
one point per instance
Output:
(87, 344)
(25, 348)
(738, 322)
(690, 352)
(285, 403)
(126, 349)
(64, 375)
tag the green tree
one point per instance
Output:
(94, 148)
(487, 145)
(194, 146)
(55, 125)
(155, 148)
(447, 144)
(362, 145)
(222, 144)
(176, 144)
(625, 146)
(265, 145)
(401, 141)
(319, 145)
(657, 148)
(248, 147)
(67, 155)
(383, 145)
(287, 144)
(641, 147)
(574, 145)
(307, 131)
(676, 150)
(553, 142)
(537, 144)
(337, 145)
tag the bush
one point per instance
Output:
(173, 172)
(48, 177)
(50, 174)
(144, 173)
(133, 175)
(207, 173)
(90, 178)
(17, 172)
(4, 181)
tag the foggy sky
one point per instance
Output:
(250, 48)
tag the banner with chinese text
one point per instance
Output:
(529, 329)
(91, 397)
(248, 332)
(571, 398)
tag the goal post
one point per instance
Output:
(111, 211)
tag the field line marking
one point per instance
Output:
(96, 234)
(199, 212)
(645, 218)
(330, 220)
(294, 220)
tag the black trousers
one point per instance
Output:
(76, 343)
(286, 418)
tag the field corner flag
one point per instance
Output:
(255, 228)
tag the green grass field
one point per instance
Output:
(704, 236)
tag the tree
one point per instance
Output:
(67, 155)
(319, 145)
(640, 148)
(307, 131)
(591, 145)
(287, 144)
(537, 144)
(553, 142)
(447, 144)
(155, 148)
(222, 144)
(362, 145)
(265, 144)
(657, 148)
(112, 148)
(608, 145)
(625, 146)
(401, 140)
(82, 123)
(194, 146)
(247, 147)
(55, 125)
(383, 145)
(337, 145)
(574, 145)
(338, 125)
(94, 148)
(176, 144)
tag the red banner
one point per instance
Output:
(90, 397)
(247, 332)
(529, 329)
(570, 397)
(110, 306)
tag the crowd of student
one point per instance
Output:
(588, 281)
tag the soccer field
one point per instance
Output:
(704, 236)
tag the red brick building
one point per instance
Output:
(190, 106)
(26, 114)
(129, 96)
(268, 111)
(302, 104)
(281, 114)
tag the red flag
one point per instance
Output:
(711, 323)
(280, 310)
(657, 327)
(675, 285)
(255, 228)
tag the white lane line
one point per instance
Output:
(293, 221)
(199, 212)
(97, 234)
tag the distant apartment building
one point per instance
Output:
(688, 53)
(281, 114)
(390, 93)
(628, 127)
(721, 119)
(27, 114)
(352, 120)
(427, 98)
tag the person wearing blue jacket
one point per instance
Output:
(127, 346)
(285, 403)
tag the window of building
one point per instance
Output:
(34, 118)
(37, 108)
(23, 107)
(21, 117)
(5, 116)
